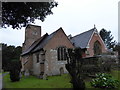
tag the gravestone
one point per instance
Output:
(27, 73)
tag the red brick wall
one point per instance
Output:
(60, 39)
(91, 44)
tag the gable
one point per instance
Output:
(59, 39)
(94, 38)
(91, 49)
(82, 40)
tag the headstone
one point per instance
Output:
(20, 75)
(45, 77)
(27, 73)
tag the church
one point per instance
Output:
(46, 55)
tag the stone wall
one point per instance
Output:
(36, 66)
(52, 65)
(32, 33)
(27, 62)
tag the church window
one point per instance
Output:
(97, 48)
(61, 51)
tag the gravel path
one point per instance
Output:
(1, 80)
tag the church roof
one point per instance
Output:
(40, 43)
(82, 40)
(44, 42)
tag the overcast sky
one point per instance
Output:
(75, 17)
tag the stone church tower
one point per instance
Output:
(32, 33)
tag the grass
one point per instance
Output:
(116, 75)
(52, 82)
(33, 82)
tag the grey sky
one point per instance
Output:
(74, 16)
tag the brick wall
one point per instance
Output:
(91, 45)
(60, 39)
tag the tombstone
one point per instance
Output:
(27, 73)
(45, 77)
(61, 71)
(20, 75)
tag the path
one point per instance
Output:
(1, 80)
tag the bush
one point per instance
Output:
(104, 80)
(15, 68)
(14, 75)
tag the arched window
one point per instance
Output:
(61, 53)
(97, 48)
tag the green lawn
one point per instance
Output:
(52, 82)
(33, 82)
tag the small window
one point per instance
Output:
(37, 57)
(61, 51)
(34, 33)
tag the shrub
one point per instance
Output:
(15, 68)
(14, 75)
(104, 80)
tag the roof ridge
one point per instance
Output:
(83, 32)
(56, 30)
